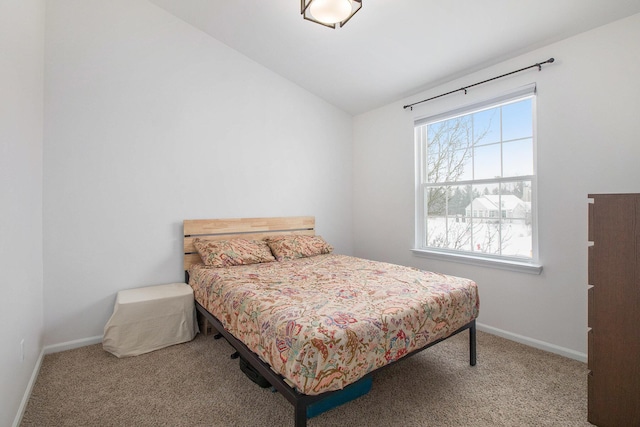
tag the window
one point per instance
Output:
(475, 193)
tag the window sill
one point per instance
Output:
(504, 264)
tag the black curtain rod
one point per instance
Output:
(539, 65)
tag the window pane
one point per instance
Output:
(437, 231)
(486, 236)
(437, 167)
(516, 223)
(460, 165)
(457, 132)
(451, 134)
(458, 200)
(459, 233)
(436, 201)
(449, 165)
(485, 201)
(520, 189)
(486, 126)
(516, 242)
(517, 120)
(449, 152)
(517, 158)
(512, 207)
(486, 162)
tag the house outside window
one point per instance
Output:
(475, 181)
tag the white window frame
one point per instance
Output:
(524, 265)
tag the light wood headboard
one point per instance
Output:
(246, 228)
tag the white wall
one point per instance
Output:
(21, 120)
(588, 142)
(149, 121)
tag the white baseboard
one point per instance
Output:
(552, 348)
(70, 345)
(55, 348)
(27, 392)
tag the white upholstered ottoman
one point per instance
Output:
(150, 318)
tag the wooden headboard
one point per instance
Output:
(246, 228)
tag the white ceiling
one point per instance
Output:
(392, 48)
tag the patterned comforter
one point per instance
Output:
(326, 321)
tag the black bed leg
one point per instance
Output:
(472, 344)
(300, 414)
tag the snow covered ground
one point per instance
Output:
(481, 236)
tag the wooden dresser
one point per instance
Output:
(614, 310)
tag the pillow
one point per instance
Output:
(297, 246)
(225, 253)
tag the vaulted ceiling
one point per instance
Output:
(392, 48)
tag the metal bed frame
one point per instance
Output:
(302, 401)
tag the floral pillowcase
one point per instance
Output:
(294, 246)
(225, 253)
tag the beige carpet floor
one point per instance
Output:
(197, 384)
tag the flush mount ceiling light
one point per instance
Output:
(329, 12)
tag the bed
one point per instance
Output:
(312, 322)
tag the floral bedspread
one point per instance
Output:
(325, 321)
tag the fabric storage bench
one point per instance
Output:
(150, 318)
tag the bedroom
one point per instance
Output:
(130, 121)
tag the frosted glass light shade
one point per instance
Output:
(330, 11)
